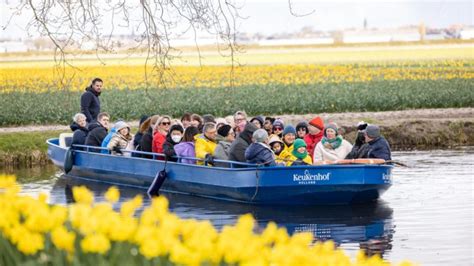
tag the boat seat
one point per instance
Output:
(65, 139)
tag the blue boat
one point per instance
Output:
(241, 182)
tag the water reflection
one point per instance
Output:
(369, 225)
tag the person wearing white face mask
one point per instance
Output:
(174, 136)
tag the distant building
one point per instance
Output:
(381, 36)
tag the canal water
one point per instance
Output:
(425, 217)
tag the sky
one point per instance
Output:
(273, 16)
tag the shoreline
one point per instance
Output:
(419, 129)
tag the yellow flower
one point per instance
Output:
(112, 195)
(95, 243)
(83, 195)
(128, 208)
(31, 243)
(7, 181)
(63, 239)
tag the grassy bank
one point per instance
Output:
(59, 106)
(25, 148)
(29, 149)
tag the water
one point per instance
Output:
(426, 216)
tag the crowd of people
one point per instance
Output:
(206, 140)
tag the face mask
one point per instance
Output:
(176, 138)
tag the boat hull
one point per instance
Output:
(299, 185)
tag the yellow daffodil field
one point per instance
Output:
(33, 232)
(303, 81)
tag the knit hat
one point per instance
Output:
(274, 138)
(317, 122)
(372, 131)
(331, 126)
(289, 129)
(296, 145)
(224, 130)
(260, 135)
(120, 125)
(302, 124)
(278, 123)
(259, 118)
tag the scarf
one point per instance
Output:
(300, 155)
(332, 143)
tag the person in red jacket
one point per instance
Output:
(315, 134)
(159, 137)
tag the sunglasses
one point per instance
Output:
(166, 123)
(277, 128)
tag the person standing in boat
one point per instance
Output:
(159, 136)
(90, 103)
(289, 136)
(332, 147)
(378, 145)
(121, 140)
(241, 143)
(206, 144)
(79, 128)
(259, 152)
(299, 155)
(222, 150)
(98, 130)
(315, 134)
(174, 137)
(186, 147)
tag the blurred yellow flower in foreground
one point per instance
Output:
(33, 233)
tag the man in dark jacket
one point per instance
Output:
(90, 103)
(240, 144)
(98, 130)
(378, 145)
(259, 152)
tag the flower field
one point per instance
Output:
(87, 233)
(37, 93)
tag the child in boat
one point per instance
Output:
(299, 155)
(289, 136)
(122, 139)
(277, 147)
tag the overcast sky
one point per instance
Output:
(272, 16)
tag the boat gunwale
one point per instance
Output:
(249, 166)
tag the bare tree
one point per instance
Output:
(70, 24)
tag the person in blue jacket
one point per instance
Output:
(378, 145)
(259, 152)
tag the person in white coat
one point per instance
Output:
(332, 147)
